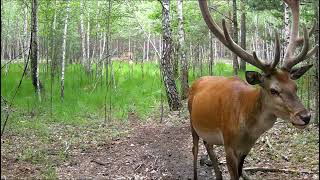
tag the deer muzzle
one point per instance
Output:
(301, 118)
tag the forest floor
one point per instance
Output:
(149, 150)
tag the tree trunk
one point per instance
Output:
(286, 29)
(35, 49)
(316, 69)
(25, 32)
(235, 37)
(175, 60)
(144, 50)
(166, 66)
(88, 46)
(64, 50)
(160, 47)
(108, 41)
(256, 39)
(243, 34)
(183, 59)
(201, 59)
(148, 44)
(129, 47)
(53, 43)
(211, 54)
(82, 35)
(103, 45)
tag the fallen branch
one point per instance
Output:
(16, 91)
(137, 167)
(14, 58)
(99, 162)
(267, 169)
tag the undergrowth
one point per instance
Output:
(134, 88)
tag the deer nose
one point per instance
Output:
(305, 117)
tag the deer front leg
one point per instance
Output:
(232, 163)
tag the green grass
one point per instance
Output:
(86, 96)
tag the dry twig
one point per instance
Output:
(268, 169)
(99, 162)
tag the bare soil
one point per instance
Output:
(152, 150)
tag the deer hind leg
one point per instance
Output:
(213, 159)
(195, 147)
(240, 168)
(242, 157)
(232, 163)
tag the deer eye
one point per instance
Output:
(274, 92)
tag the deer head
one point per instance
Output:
(277, 83)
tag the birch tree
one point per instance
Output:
(88, 67)
(64, 49)
(25, 32)
(286, 28)
(316, 64)
(235, 36)
(243, 32)
(35, 49)
(165, 65)
(82, 35)
(183, 59)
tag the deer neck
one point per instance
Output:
(261, 118)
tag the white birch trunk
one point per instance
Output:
(184, 62)
(103, 44)
(64, 50)
(144, 50)
(25, 31)
(82, 34)
(88, 45)
(286, 28)
(148, 44)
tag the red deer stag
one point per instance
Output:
(231, 112)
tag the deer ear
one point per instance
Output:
(296, 73)
(253, 77)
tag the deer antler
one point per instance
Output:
(295, 40)
(225, 38)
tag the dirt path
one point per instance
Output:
(163, 151)
(151, 152)
(148, 150)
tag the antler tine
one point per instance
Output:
(301, 56)
(295, 40)
(214, 28)
(266, 67)
(310, 32)
(277, 51)
(294, 6)
(252, 59)
(312, 52)
(225, 38)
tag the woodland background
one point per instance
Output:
(79, 72)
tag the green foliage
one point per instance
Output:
(85, 97)
(266, 5)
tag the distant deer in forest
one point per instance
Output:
(126, 56)
(231, 112)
